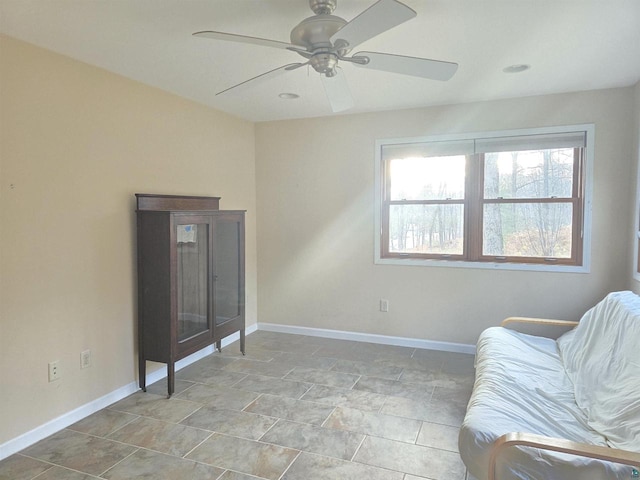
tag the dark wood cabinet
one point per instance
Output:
(190, 278)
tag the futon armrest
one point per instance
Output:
(559, 445)
(542, 327)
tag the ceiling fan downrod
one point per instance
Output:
(323, 6)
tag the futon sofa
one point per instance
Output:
(565, 408)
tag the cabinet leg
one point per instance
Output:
(142, 373)
(219, 345)
(242, 341)
(170, 379)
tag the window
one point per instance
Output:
(504, 199)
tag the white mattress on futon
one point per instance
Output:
(521, 386)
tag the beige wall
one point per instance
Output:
(315, 184)
(77, 143)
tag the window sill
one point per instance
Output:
(529, 267)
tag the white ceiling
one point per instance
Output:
(571, 45)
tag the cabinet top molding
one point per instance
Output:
(153, 202)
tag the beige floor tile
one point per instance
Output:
(446, 414)
(317, 467)
(393, 388)
(440, 436)
(218, 396)
(269, 369)
(288, 408)
(368, 368)
(245, 456)
(364, 352)
(447, 406)
(160, 436)
(370, 423)
(156, 406)
(345, 353)
(19, 467)
(341, 397)
(413, 477)
(413, 459)
(252, 352)
(304, 360)
(408, 408)
(323, 441)
(274, 386)
(61, 473)
(434, 356)
(103, 422)
(366, 348)
(147, 465)
(459, 363)
(290, 347)
(204, 373)
(160, 387)
(460, 393)
(230, 422)
(323, 377)
(426, 377)
(79, 451)
(231, 475)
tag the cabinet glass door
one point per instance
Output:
(228, 291)
(193, 262)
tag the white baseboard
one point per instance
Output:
(43, 431)
(370, 337)
(63, 421)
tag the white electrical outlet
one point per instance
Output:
(54, 371)
(384, 305)
(85, 359)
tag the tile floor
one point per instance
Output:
(295, 408)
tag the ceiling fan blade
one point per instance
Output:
(338, 92)
(231, 37)
(418, 67)
(378, 18)
(262, 77)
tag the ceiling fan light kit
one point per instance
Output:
(324, 40)
(288, 96)
(520, 67)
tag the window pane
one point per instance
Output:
(434, 229)
(427, 178)
(529, 174)
(528, 230)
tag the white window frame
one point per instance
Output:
(588, 129)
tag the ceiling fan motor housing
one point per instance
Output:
(314, 34)
(316, 31)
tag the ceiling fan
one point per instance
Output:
(324, 40)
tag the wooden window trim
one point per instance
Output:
(473, 205)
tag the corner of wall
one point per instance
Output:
(634, 280)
